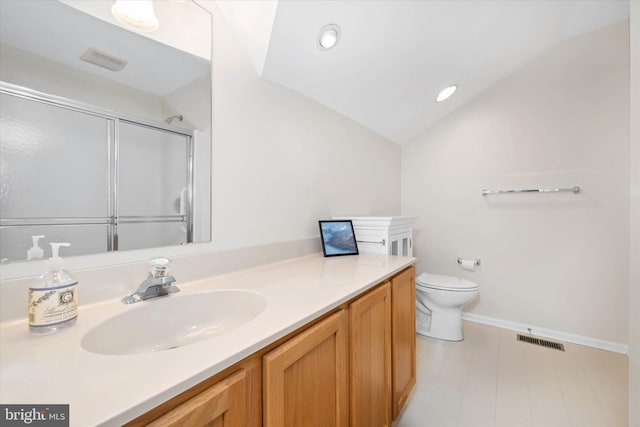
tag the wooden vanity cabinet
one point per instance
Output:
(354, 367)
(301, 378)
(403, 337)
(228, 399)
(305, 380)
(382, 347)
(221, 405)
(370, 358)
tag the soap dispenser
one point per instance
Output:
(53, 298)
(35, 252)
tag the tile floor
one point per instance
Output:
(492, 380)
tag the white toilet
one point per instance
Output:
(439, 302)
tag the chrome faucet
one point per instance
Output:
(158, 283)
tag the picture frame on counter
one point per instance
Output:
(338, 238)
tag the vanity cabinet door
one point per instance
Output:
(370, 358)
(305, 379)
(222, 405)
(403, 337)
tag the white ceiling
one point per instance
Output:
(395, 56)
(57, 32)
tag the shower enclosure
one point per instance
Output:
(114, 183)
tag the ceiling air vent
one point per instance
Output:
(103, 60)
(541, 342)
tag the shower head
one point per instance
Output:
(169, 120)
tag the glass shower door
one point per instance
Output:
(112, 183)
(52, 182)
(154, 187)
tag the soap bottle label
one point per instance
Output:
(51, 306)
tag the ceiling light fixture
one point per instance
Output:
(328, 37)
(136, 14)
(446, 93)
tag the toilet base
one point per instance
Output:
(445, 325)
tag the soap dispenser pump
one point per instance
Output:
(35, 252)
(53, 299)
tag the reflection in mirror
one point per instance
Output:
(105, 133)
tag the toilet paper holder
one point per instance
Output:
(475, 262)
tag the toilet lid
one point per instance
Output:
(439, 281)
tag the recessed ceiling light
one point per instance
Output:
(328, 37)
(446, 93)
(136, 14)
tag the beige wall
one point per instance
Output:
(282, 161)
(634, 252)
(555, 261)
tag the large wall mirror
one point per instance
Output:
(105, 138)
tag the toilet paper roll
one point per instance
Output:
(468, 264)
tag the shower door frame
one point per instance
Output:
(112, 140)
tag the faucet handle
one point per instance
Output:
(159, 267)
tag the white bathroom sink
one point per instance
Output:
(174, 321)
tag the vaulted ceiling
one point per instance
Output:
(394, 57)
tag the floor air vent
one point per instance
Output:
(541, 342)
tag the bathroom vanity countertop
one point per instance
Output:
(111, 390)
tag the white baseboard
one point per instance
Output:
(548, 333)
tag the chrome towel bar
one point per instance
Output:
(382, 242)
(574, 190)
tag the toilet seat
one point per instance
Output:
(445, 283)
